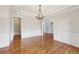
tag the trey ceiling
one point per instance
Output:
(46, 9)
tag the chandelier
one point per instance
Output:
(39, 15)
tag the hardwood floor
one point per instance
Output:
(38, 45)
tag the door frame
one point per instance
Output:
(12, 25)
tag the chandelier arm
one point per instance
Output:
(39, 16)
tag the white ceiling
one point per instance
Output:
(34, 8)
(46, 9)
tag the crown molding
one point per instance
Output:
(16, 15)
(62, 10)
(50, 13)
(22, 12)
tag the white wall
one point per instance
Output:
(4, 26)
(30, 26)
(66, 27)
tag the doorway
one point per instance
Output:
(51, 28)
(16, 32)
(48, 29)
(17, 27)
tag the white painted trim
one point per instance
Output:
(25, 12)
(4, 40)
(58, 10)
(67, 42)
(27, 35)
(16, 33)
(22, 13)
(62, 10)
(4, 44)
(16, 15)
(69, 38)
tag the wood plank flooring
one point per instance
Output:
(38, 45)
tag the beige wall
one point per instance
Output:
(30, 26)
(4, 26)
(66, 27)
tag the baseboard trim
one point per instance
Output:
(67, 43)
